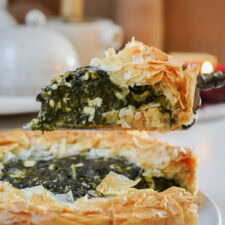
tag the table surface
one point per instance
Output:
(205, 138)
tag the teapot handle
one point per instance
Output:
(111, 35)
(3, 4)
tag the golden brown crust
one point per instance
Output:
(173, 206)
(139, 64)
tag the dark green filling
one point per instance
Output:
(78, 173)
(141, 95)
(63, 106)
(161, 183)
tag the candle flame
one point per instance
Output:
(207, 67)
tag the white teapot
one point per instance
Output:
(90, 37)
(30, 56)
(6, 20)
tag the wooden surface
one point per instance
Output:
(72, 10)
(196, 26)
(143, 19)
(99, 8)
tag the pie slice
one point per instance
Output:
(113, 178)
(139, 87)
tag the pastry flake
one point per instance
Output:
(114, 183)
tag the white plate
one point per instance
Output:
(16, 105)
(208, 212)
(211, 112)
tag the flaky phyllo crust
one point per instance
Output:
(127, 206)
(138, 64)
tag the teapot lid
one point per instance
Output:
(35, 17)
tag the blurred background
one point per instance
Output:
(171, 25)
(43, 38)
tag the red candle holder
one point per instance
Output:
(219, 67)
(214, 96)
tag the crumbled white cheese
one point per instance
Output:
(118, 95)
(1, 167)
(95, 102)
(68, 109)
(51, 167)
(126, 116)
(67, 84)
(51, 103)
(16, 173)
(151, 172)
(59, 105)
(35, 121)
(65, 100)
(89, 111)
(86, 76)
(54, 87)
(29, 163)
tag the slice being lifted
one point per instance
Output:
(140, 87)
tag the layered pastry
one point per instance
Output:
(113, 178)
(139, 87)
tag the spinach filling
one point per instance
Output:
(84, 97)
(79, 174)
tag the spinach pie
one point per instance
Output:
(95, 178)
(139, 87)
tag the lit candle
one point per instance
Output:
(207, 67)
(207, 61)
